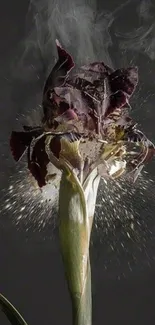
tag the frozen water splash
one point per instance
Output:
(26, 203)
(125, 223)
(121, 206)
(119, 203)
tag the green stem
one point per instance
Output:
(82, 306)
(74, 233)
(78, 275)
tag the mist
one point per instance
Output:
(77, 24)
(142, 38)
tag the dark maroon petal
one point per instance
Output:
(19, 142)
(55, 79)
(124, 79)
(38, 161)
(64, 58)
(37, 173)
(61, 69)
(81, 84)
(116, 101)
(97, 67)
(89, 94)
(50, 111)
(55, 146)
(63, 107)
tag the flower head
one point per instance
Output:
(86, 123)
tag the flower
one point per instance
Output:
(86, 123)
(86, 133)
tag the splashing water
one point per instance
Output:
(119, 203)
(124, 212)
(123, 227)
(122, 207)
(26, 203)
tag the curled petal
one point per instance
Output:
(60, 145)
(56, 78)
(62, 67)
(20, 141)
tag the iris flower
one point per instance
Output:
(86, 133)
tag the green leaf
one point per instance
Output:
(11, 312)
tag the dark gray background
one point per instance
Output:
(31, 270)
